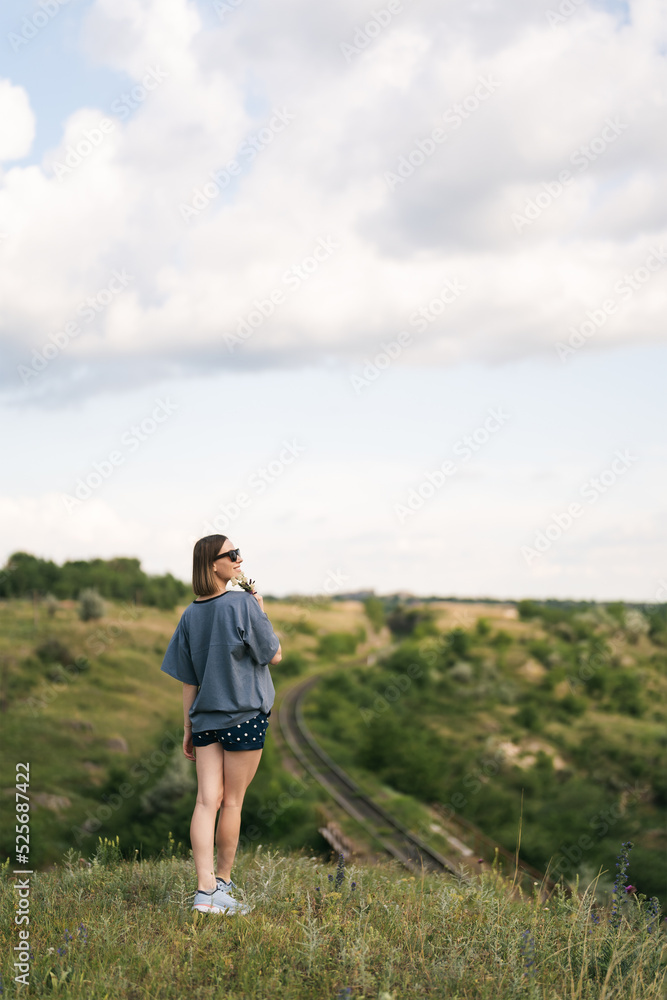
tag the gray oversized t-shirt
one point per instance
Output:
(223, 644)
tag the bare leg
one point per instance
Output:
(209, 796)
(239, 767)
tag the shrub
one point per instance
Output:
(458, 642)
(91, 605)
(657, 619)
(411, 657)
(462, 672)
(411, 766)
(617, 611)
(626, 695)
(571, 705)
(501, 642)
(482, 627)
(596, 685)
(374, 609)
(337, 643)
(528, 717)
(52, 650)
(635, 624)
(305, 628)
(528, 610)
(292, 664)
(403, 621)
(51, 604)
(542, 650)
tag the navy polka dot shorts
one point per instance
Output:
(246, 736)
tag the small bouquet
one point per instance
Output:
(246, 584)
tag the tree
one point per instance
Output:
(374, 609)
(403, 621)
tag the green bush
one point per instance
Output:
(462, 672)
(411, 656)
(374, 609)
(528, 717)
(597, 684)
(52, 650)
(571, 705)
(541, 650)
(501, 642)
(458, 642)
(617, 611)
(91, 605)
(403, 621)
(51, 603)
(483, 628)
(413, 767)
(337, 644)
(528, 610)
(626, 695)
(305, 628)
(657, 619)
(291, 665)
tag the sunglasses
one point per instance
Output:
(233, 554)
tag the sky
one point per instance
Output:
(377, 291)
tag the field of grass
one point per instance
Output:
(124, 929)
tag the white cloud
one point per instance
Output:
(18, 122)
(323, 174)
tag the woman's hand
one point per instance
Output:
(260, 599)
(188, 749)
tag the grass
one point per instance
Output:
(117, 928)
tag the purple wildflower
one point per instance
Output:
(527, 948)
(622, 863)
(340, 870)
(653, 908)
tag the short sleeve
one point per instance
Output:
(177, 661)
(257, 633)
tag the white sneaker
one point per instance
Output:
(218, 902)
(227, 887)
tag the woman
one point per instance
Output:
(220, 651)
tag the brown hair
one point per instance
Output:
(205, 551)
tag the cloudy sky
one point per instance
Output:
(378, 291)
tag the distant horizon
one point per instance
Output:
(361, 593)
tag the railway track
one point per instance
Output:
(384, 828)
(399, 842)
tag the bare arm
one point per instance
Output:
(189, 695)
(278, 657)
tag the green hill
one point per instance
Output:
(554, 715)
